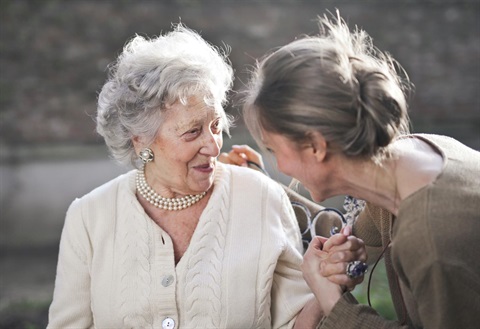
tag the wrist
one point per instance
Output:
(311, 315)
(328, 301)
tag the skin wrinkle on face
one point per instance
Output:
(197, 119)
(186, 147)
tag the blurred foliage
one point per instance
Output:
(379, 292)
(25, 315)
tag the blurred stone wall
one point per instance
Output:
(54, 54)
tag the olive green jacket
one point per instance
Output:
(432, 250)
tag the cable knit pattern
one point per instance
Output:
(241, 269)
(264, 314)
(264, 294)
(205, 266)
(135, 276)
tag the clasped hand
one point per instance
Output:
(326, 259)
(325, 264)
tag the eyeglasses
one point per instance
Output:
(325, 222)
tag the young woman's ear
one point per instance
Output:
(319, 145)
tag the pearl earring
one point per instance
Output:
(146, 155)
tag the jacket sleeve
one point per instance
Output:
(367, 227)
(348, 313)
(70, 307)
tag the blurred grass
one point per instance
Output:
(25, 315)
(379, 292)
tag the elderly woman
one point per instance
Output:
(333, 111)
(183, 241)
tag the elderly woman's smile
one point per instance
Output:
(186, 147)
(206, 168)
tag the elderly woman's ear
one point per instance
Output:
(137, 144)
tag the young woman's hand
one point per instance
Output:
(325, 264)
(343, 248)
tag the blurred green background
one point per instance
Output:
(53, 59)
(379, 297)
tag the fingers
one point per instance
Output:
(351, 244)
(223, 157)
(336, 273)
(352, 249)
(332, 265)
(339, 255)
(335, 240)
(316, 247)
(339, 242)
(346, 230)
(233, 158)
(337, 263)
(318, 239)
(338, 239)
(313, 256)
(240, 154)
(345, 281)
(345, 256)
(249, 153)
(239, 159)
(342, 248)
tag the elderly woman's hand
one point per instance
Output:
(242, 155)
(342, 248)
(326, 292)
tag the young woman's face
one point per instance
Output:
(185, 149)
(296, 161)
(285, 152)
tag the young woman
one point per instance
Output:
(333, 111)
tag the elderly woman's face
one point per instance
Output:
(187, 145)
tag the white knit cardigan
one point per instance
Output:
(116, 267)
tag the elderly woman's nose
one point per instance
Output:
(212, 144)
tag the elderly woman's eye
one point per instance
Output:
(193, 131)
(217, 126)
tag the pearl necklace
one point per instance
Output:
(159, 201)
